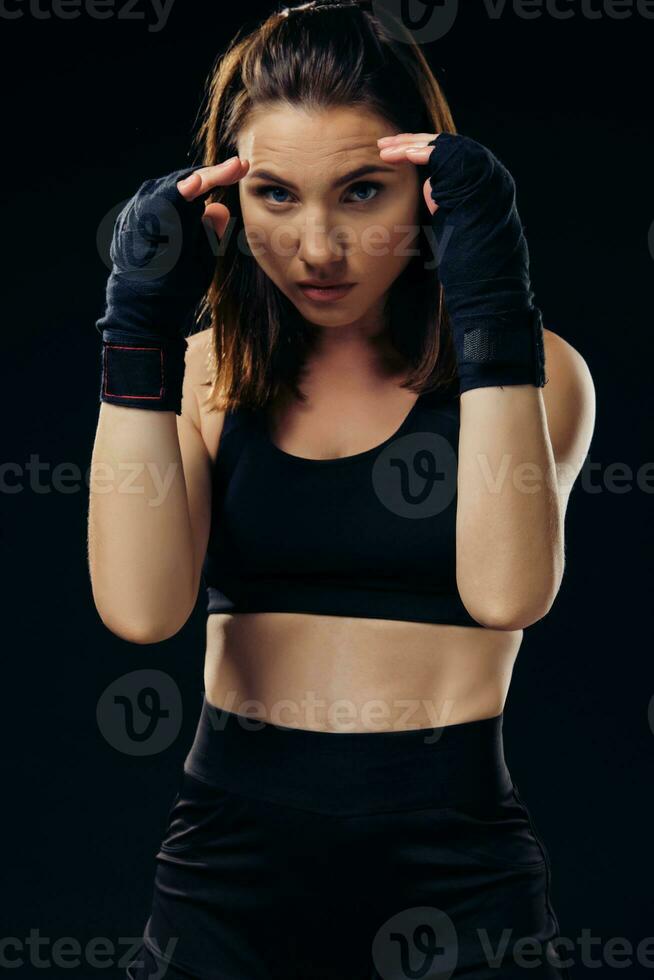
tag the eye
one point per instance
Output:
(264, 189)
(370, 184)
(373, 185)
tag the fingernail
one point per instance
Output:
(229, 160)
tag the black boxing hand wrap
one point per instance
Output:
(162, 264)
(146, 373)
(484, 267)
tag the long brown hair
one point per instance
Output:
(315, 55)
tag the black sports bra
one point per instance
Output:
(370, 535)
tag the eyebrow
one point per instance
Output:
(352, 175)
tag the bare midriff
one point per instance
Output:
(346, 674)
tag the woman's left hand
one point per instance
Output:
(484, 260)
(413, 148)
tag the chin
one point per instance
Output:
(342, 318)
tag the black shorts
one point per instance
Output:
(292, 854)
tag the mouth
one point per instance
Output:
(322, 294)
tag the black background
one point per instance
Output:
(91, 109)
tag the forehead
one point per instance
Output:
(305, 139)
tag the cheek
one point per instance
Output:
(390, 238)
(386, 249)
(270, 245)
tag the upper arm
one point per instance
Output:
(196, 459)
(569, 398)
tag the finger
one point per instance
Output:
(401, 147)
(413, 154)
(218, 217)
(407, 138)
(419, 154)
(205, 178)
(189, 186)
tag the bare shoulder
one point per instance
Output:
(198, 357)
(570, 403)
(196, 409)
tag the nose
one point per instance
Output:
(320, 244)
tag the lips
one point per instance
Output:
(324, 284)
(326, 294)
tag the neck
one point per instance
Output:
(362, 347)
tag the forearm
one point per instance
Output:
(509, 521)
(510, 547)
(139, 536)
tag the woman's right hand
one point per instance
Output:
(161, 253)
(204, 179)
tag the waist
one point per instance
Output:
(347, 674)
(352, 772)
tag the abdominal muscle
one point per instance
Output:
(349, 674)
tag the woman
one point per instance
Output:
(371, 480)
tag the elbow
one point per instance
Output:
(513, 601)
(508, 620)
(143, 619)
(144, 632)
(146, 635)
(510, 616)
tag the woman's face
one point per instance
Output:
(307, 216)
